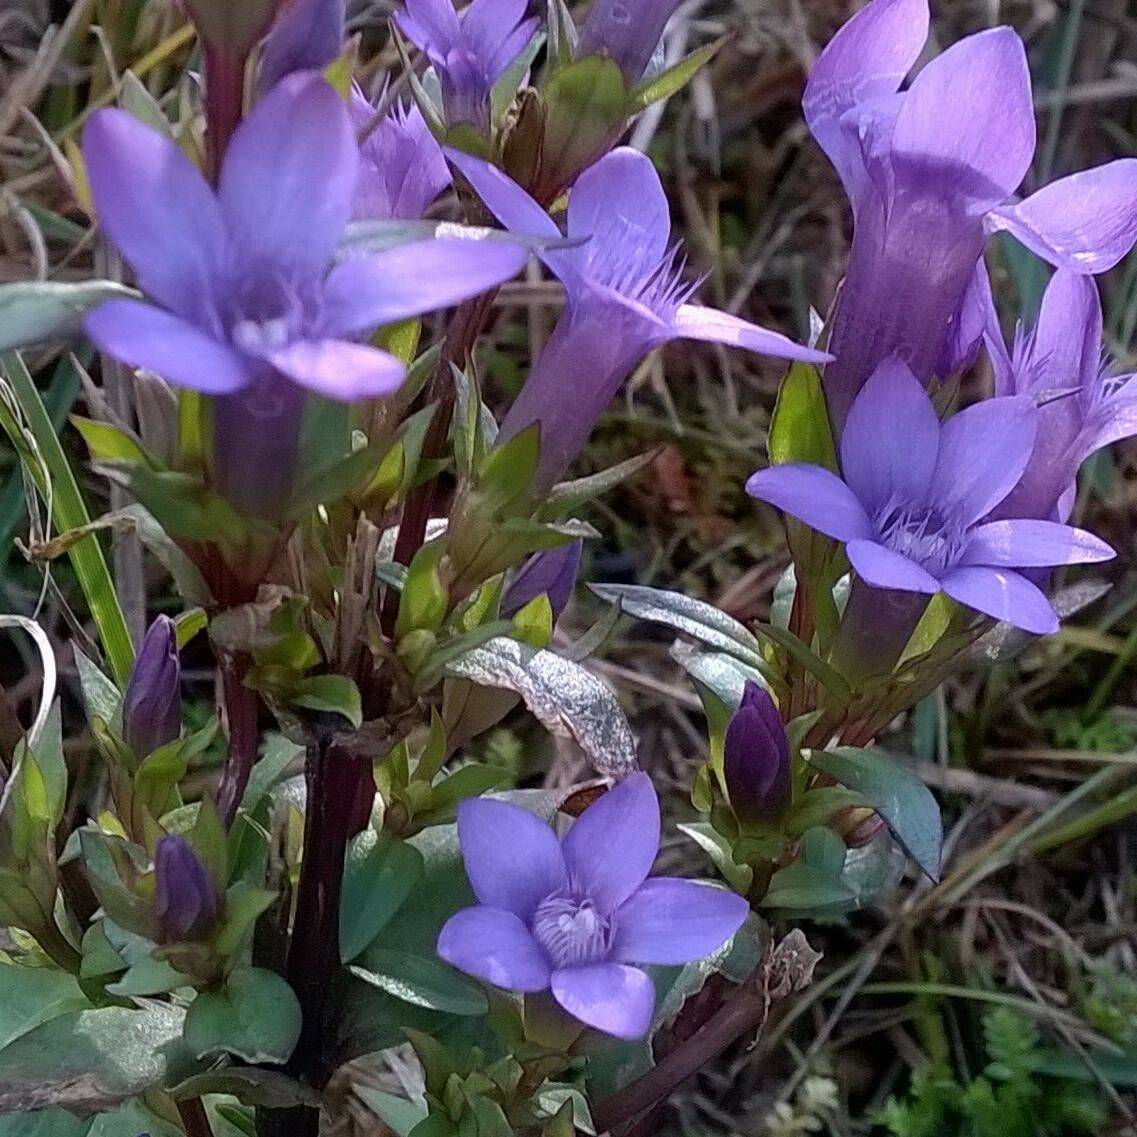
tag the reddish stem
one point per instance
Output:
(241, 705)
(224, 102)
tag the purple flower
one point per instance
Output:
(626, 31)
(244, 306)
(402, 169)
(574, 915)
(914, 495)
(307, 36)
(186, 899)
(930, 171)
(756, 759)
(469, 53)
(624, 296)
(1083, 406)
(551, 573)
(152, 706)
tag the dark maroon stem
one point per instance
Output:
(241, 705)
(224, 102)
(195, 1121)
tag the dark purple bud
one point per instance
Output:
(152, 709)
(307, 36)
(552, 572)
(186, 899)
(756, 758)
(627, 30)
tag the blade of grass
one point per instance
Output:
(56, 482)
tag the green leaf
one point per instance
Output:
(800, 430)
(676, 77)
(34, 311)
(803, 888)
(424, 981)
(133, 1120)
(829, 677)
(256, 1016)
(57, 485)
(34, 995)
(717, 847)
(898, 795)
(380, 874)
(467, 782)
(725, 676)
(44, 1123)
(332, 694)
(424, 601)
(398, 1114)
(108, 442)
(565, 497)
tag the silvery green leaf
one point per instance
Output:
(724, 675)
(362, 237)
(32, 311)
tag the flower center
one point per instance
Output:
(267, 312)
(572, 931)
(922, 534)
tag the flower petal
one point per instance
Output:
(969, 111)
(885, 568)
(512, 857)
(694, 322)
(412, 279)
(340, 370)
(1003, 595)
(503, 197)
(610, 849)
(813, 495)
(1027, 543)
(984, 450)
(306, 36)
(289, 176)
(495, 946)
(616, 999)
(1085, 222)
(145, 336)
(153, 203)
(1066, 350)
(888, 446)
(675, 921)
(867, 58)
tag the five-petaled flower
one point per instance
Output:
(624, 296)
(469, 52)
(930, 171)
(574, 916)
(915, 493)
(243, 303)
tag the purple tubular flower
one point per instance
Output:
(244, 305)
(307, 36)
(626, 31)
(1061, 366)
(912, 504)
(152, 706)
(552, 573)
(756, 759)
(573, 916)
(930, 172)
(469, 53)
(624, 296)
(402, 169)
(186, 899)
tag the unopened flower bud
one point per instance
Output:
(233, 28)
(552, 572)
(152, 709)
(627, 32)
(186, 900)
(756, 759)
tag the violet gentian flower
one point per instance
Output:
(930, 171)
(469, 51)
(624, 296)
(756, 758)
(306, 36)
(402, 169)
(244, 306)
(152, 706)
(186, 898)
(914, 495)
(1083, 405)
(574, 916)
(551, 572)
(626, 30)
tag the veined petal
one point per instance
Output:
(155, 206)
(1028, 543)
(436, 18)
(882, 567)
(495, 946)
(1085, 222)
(984, 450)
(145, 336)
(340, 370)
(512, 857)
(307, 35)
(889, 444)
(1066, 350)
(970, 111)
(409, 280)
(611, 997)
(612, 845)
(671, 921)
(503, 197)
(289, 175)
(694, 322)
(815, 496)
(1003, 595)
